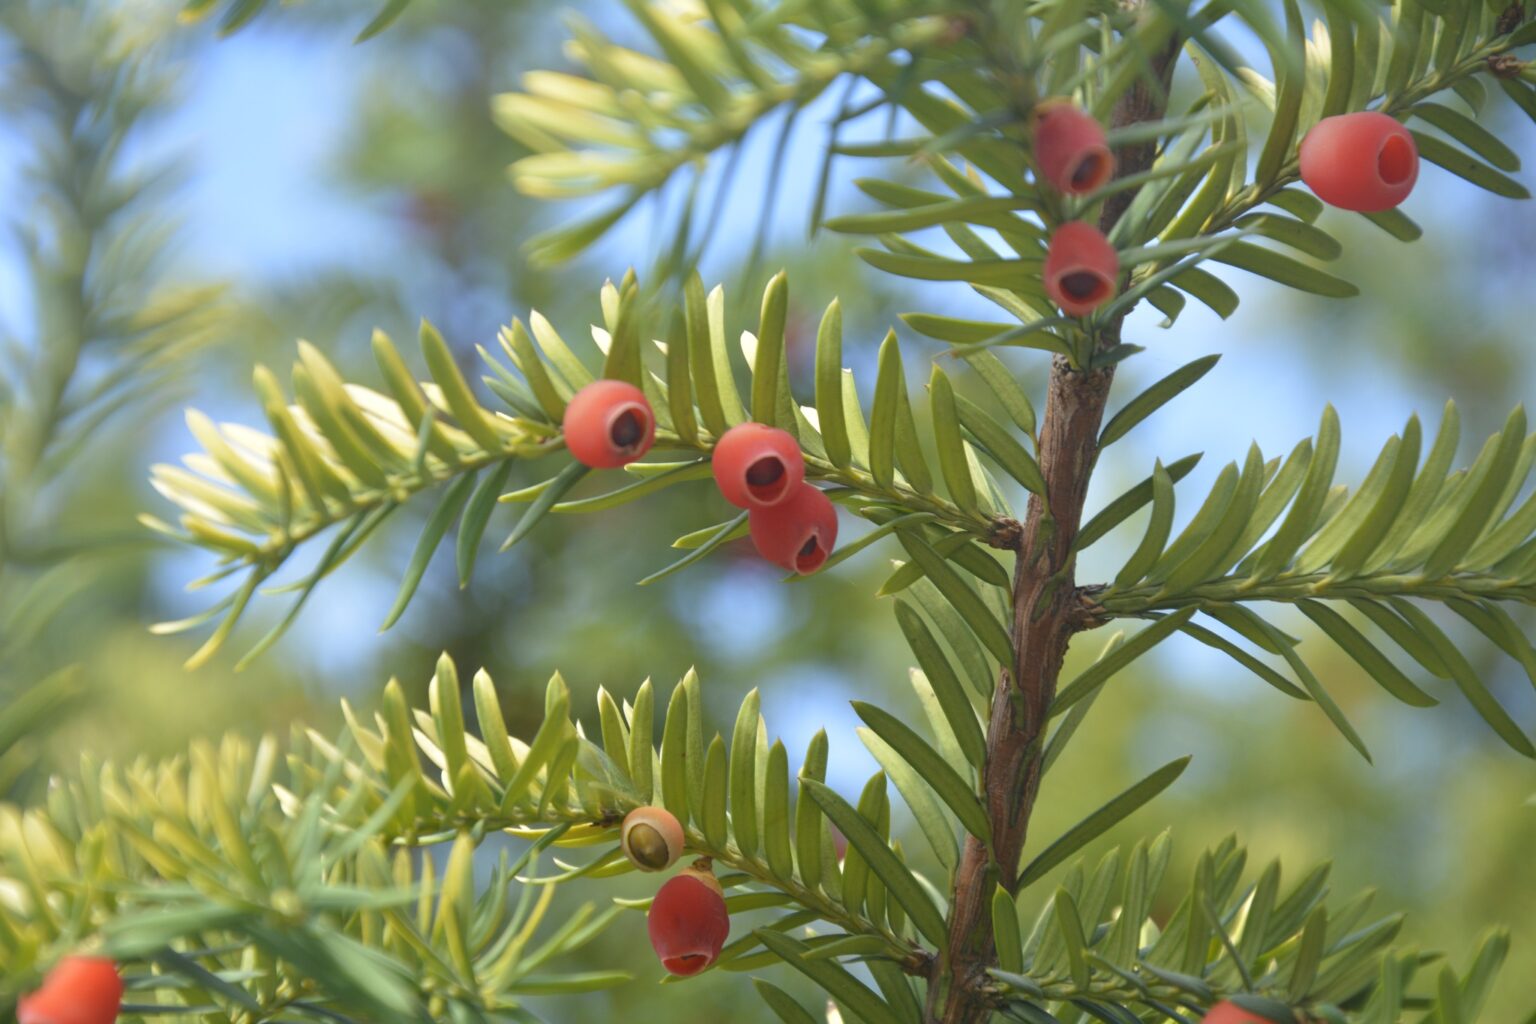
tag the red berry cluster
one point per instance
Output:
(1072, 155)
(79, 990)
(688, 923)
(759, 468)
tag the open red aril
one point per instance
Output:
(756, 465)
(1081, 268)
(608, 424)
(688, 923)
(1070, 148)
(1366, 161)
(798, 533)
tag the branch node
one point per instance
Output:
(1505, 65)
(919, 963)
(1086, 612)
(1006, 534)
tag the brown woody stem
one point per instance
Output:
(1046, 614)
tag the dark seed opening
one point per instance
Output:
(1395, 162)
(1086, 174)
(689, 963)
(1082, 285)
(627, 429)
(764, 472)
(810, 556)
(649, 847)
(766, 478)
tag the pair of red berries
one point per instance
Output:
(1072, 154)
(759, 468)
(688, 922)
(1365, 161)
(79, 990)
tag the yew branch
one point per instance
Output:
(1046, 615)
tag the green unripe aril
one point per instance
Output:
(652, 838)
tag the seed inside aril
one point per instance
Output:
(1087, 170)
(810, 555)
(648, 846)
(1082, 285)
(765, 472)
(1395, 163)
(627, 429)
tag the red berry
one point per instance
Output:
(688, 923)
(756, 465)
(798, 533)
(1365, 161)
(608, 424)
(1070, 148)
(652, 838)
(1080, 268)
(1226, 1012)
(79, 990)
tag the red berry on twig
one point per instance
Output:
(1080, 268)
(608, 424)
(797, 533)
(756, 465)
(79, 990)
(1228, 1012)
(1070, 148)
(1365, 161)
(688, 922)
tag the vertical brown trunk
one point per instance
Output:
(1044, 603)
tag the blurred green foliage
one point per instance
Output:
(105, 332)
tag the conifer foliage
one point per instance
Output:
(1079, 158)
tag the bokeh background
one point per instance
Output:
(179, 207)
